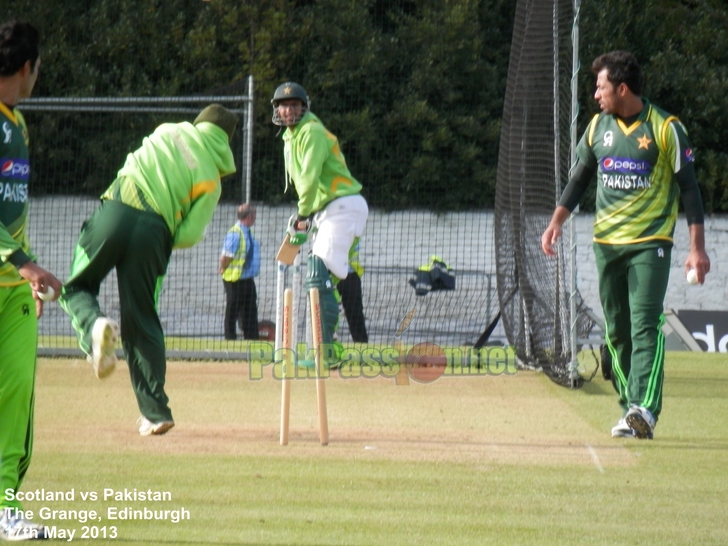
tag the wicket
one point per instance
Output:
(288, 373)
(285, 339)
(318, 349)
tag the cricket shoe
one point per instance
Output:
(147, 428)
(104, 336)
(641, 421)
(622, 430)
(13, 528)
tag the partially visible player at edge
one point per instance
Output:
(20, 278)
(328, 199)
(162, 199)
(643, 161)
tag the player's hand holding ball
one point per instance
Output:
(48, 295)
(692, 277)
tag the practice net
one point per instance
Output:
(534, 290)
(90, 139)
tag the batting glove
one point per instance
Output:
(296, 237)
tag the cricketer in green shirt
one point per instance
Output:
(176, 174)
(643, 163)
(636, 198)
(316, 165)
(163, 198)
(14, 177)
(21, 280)
(329, 199)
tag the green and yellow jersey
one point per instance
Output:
(637, 193)
(176, 174)
(14, 184)
(316, 165)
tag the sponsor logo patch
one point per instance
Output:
(14, 168)
(625, 165)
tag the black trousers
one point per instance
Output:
(241, 306)
(351, 299)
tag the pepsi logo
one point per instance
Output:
(15, 169)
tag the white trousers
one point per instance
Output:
(337, 225)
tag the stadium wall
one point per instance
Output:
(393, 246)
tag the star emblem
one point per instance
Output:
(644, 142)
(287, 90)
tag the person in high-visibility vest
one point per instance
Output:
(239, 265)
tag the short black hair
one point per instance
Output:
(19, 43)
(622, 67)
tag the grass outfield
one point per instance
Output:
(479, 460)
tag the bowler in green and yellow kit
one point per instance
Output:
(643, 163)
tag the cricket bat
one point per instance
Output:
(288, 251)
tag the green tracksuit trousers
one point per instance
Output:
(138, 245)
(632, 285)
(18, 343)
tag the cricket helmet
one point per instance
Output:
(285, 91)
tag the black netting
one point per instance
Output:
(534, 159)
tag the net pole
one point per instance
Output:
(574, 364)
(555, 27)
(248, 144)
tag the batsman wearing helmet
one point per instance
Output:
(328, 197)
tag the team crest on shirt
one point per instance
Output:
(8, 132)
(644, 142)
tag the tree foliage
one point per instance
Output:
(413, 89)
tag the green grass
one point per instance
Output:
(480, 460)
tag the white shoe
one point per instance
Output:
(641, 421)
(16, 529)
(622, 430)
(105, 334)
(147, 428)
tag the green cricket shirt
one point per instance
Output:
(316, 165)
(637, 194)
(14, 179)
(176, 174)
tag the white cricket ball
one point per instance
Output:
(692, 277)
(48, 295)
